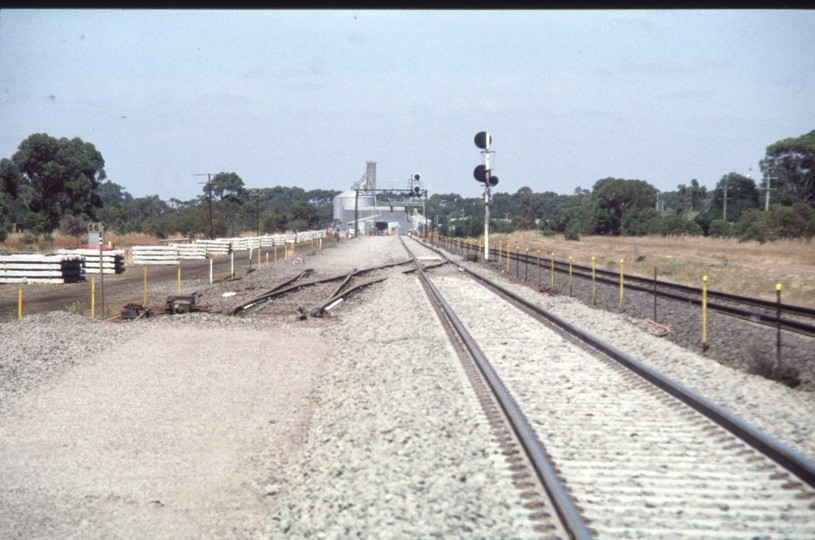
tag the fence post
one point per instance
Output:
(704, 313)
(655, 294)
(593, 284)
(778, 327)
(517, 261)
(144, 299)
(622, 262)
(19, 302)
(552, 271)
(526, 265)
(179, 280)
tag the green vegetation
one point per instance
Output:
(59, 183)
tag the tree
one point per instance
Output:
(227, 186)
(792, 162)
(614, 198)
(63, 176)
(690, 197)
(9, 181)
(742, 195)
(109, 192)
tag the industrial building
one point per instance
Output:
(391, 209)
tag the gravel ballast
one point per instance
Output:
(362, 423)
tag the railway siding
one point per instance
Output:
(606, 430)
(784, 413)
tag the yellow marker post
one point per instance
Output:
(552, 271)
(622, 262)
(704, 313)
(539, 269)
(20, 303)
(570, 276)
(267, 259)
(93, 298)
(144, 303)
(507, 256)
(179, 280)
(593, 284)
(778, 326)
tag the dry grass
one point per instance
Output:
(61, 241)
(747, 268)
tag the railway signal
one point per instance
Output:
(483, 174)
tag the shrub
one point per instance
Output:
(573, 230)
(719, 228)
(73, 226)
(28, 239)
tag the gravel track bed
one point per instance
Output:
(639, 462)
(732, 342)
(399, 446)
(785, 413)
(368, 450)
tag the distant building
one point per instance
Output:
(374, 217)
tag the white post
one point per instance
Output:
(487, 203)
(231, 265)
(210, 272)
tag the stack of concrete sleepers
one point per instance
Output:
(157, 255)
(239, 244)
(113, 260)
(214, 247)
(25, 268)
(191, 251)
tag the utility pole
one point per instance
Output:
(257, 209)
(768, 189)
(209, 198)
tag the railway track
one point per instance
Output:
(792, 317)
(617, 449)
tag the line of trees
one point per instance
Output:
(51, 184)
(615, 206)
(60, 183)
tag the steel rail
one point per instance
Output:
(612, 278)
(562, 502)
(562, 267)
(764, 443)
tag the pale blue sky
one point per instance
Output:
(305, 98)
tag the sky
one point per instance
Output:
(306, 98)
